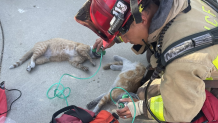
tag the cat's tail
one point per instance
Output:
(104, 100)
(23, 59)
(108, 66)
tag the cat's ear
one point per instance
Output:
(116, 67)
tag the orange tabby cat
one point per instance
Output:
(56, 50)
(129, 79)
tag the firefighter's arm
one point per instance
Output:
(140, 109)
(128, 111)
(183, 90)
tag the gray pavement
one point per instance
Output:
(26, 22)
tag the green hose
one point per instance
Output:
(58, 93)
(61, 92)
(129, 96)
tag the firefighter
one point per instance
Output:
(179, 95)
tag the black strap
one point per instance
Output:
(84, 116)
(147, 77)
(198, 116)
(212, 4)
(2, 86)
(188, 8)
(189, 45)
(135, 11)
(81, 114)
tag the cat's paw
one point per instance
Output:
(118, 58)
(91, 105)
(116, 67)
(28, 68)
(93, 64)
(32, 64)
(85, 68)
(11, 67)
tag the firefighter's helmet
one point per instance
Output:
(107, 18)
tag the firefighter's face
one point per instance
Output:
(137, 32)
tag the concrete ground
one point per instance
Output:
(29, 21)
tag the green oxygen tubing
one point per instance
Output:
(130, 98)
(60, 93)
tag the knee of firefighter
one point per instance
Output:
(141, 93)
(153, 90)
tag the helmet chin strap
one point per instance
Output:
(147, 45)
(144, 41)
(135, 11)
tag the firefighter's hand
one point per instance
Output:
(99, 43)
(128, 111)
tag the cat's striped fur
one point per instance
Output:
(129, 79)
(56, 50)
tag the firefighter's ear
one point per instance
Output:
(145, 18)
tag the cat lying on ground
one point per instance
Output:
(56, 50)
(129, 79)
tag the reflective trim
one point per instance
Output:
(141, 8)
(209, 78)
(156, 106)
(208, 11)
(214, 24)
(215, 62)
(121, 39)
(206, 27)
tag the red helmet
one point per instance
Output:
(109, 17)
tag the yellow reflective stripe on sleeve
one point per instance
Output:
(156, 106)
(215, 62)
(209, 78)
(121, 38)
